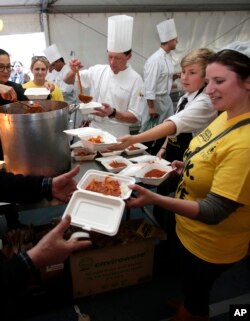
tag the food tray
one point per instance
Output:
(89, 108)
(106, 164)
(152, 180)
(140, 149)
(76, 154)
(100, 176)
(95, 212)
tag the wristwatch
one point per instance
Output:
(112, 115)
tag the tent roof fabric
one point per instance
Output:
(77, 6)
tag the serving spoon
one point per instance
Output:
(85, 99)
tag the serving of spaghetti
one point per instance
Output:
(108, 186)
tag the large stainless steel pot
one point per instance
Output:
(34, 143)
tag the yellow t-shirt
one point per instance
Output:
(56, 94)
(223, 168)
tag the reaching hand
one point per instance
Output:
(49, 85)
(64, 185)
(178, 165)
(144, 197)
(125, 142)
(161, 153)
(53, 248)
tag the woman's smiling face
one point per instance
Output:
(224, 87)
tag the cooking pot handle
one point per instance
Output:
(73, 108)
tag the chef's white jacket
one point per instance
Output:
(158, 80)
(123, 91)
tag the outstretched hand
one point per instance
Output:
(143, 197)
(53, 248)
(124, 142)
(64, 185)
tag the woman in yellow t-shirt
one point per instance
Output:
(39, 68)
(212, 203)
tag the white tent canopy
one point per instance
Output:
(81, 26)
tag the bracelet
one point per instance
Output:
(112, 115)
(163, 147)
(47, 188)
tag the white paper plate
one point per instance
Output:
(95, 212)
(100, 176)
(140, 148)
(89, 108)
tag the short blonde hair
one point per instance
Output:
(39, 58)
(197, 56)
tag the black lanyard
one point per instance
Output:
(226, 131)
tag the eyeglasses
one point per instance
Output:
(7, 67)
(41, 58)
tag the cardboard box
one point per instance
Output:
(102, 270)
(116, 262)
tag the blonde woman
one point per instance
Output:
(39, 68)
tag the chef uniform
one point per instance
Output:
(122, 91)
(158, 74)
(52, 54)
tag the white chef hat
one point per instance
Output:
(240, 46)
(120, 33)
(166, 30)
(52, 53)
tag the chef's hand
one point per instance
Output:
(49, 85)
(103, 111)
(143, 197)
(53, 248)
(64, 185)
(75, 65)
(8, 92)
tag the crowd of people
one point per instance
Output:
(206, 140)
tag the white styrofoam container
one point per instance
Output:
(106, 163)
(113, 153)
(153, 180)
(76, 154)
(36, 93)
(100, 176)
(140, 149)
(150, 159)
(95, 212)
(107, 139)
(89, 108)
